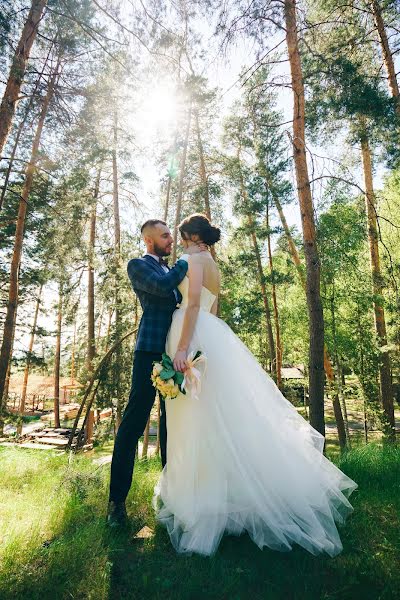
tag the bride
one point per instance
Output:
(240, 457)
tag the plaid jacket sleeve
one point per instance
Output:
(149, 280)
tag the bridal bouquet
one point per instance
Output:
(170, 382)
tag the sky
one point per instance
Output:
(222, 73)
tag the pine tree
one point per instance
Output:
(18, 68)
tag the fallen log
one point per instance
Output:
(96, 375)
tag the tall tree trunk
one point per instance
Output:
(203, 175)
(89, 427)
(28, 359)
(19, 235)
(108, 334)
(91, 349)
(387, 54)
(292, 246)
(57, 358)
(267, 310)
(72, 373)
(327, 361)
(275, 305)
(337, 410)
(338, 378)
(12, 157)
(315, 312)
(21, 128)
(361, 377)
(117, 254)
(181, 181)
(377, 284)
(7, 384)
(8, 375)
(167, 197)
(100, 322)
(117, 225)
(171, 176)
(18, 68)
(264, 295)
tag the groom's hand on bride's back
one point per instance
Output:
(145, 278)
(199, 247)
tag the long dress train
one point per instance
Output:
(241, 458)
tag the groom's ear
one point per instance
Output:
(146, 235)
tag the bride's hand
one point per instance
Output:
(180, 363)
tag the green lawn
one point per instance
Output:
(54, 544)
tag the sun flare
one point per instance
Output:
(160, 107)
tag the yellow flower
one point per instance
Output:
(167, 388)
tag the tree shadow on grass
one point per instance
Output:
(87, 560)
(239, 571)
(366, 569)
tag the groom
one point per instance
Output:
(155, 285)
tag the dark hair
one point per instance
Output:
(151, 223)
(198, 224)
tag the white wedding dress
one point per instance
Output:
(240, 457)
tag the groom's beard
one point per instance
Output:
(159, 251)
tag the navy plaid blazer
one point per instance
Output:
(155, 290)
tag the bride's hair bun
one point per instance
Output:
(198, 224)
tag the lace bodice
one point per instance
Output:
(207, 298)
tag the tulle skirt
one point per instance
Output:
(241, 459)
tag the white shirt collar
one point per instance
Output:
(157, 258)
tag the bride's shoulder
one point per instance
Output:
(198, 258)
(201, 257)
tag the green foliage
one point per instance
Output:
(6, 22)
(344, 82)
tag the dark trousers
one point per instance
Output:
(136, 414)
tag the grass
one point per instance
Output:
(54, 544)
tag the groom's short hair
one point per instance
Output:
(151, 223)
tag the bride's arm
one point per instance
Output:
(195, 274)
